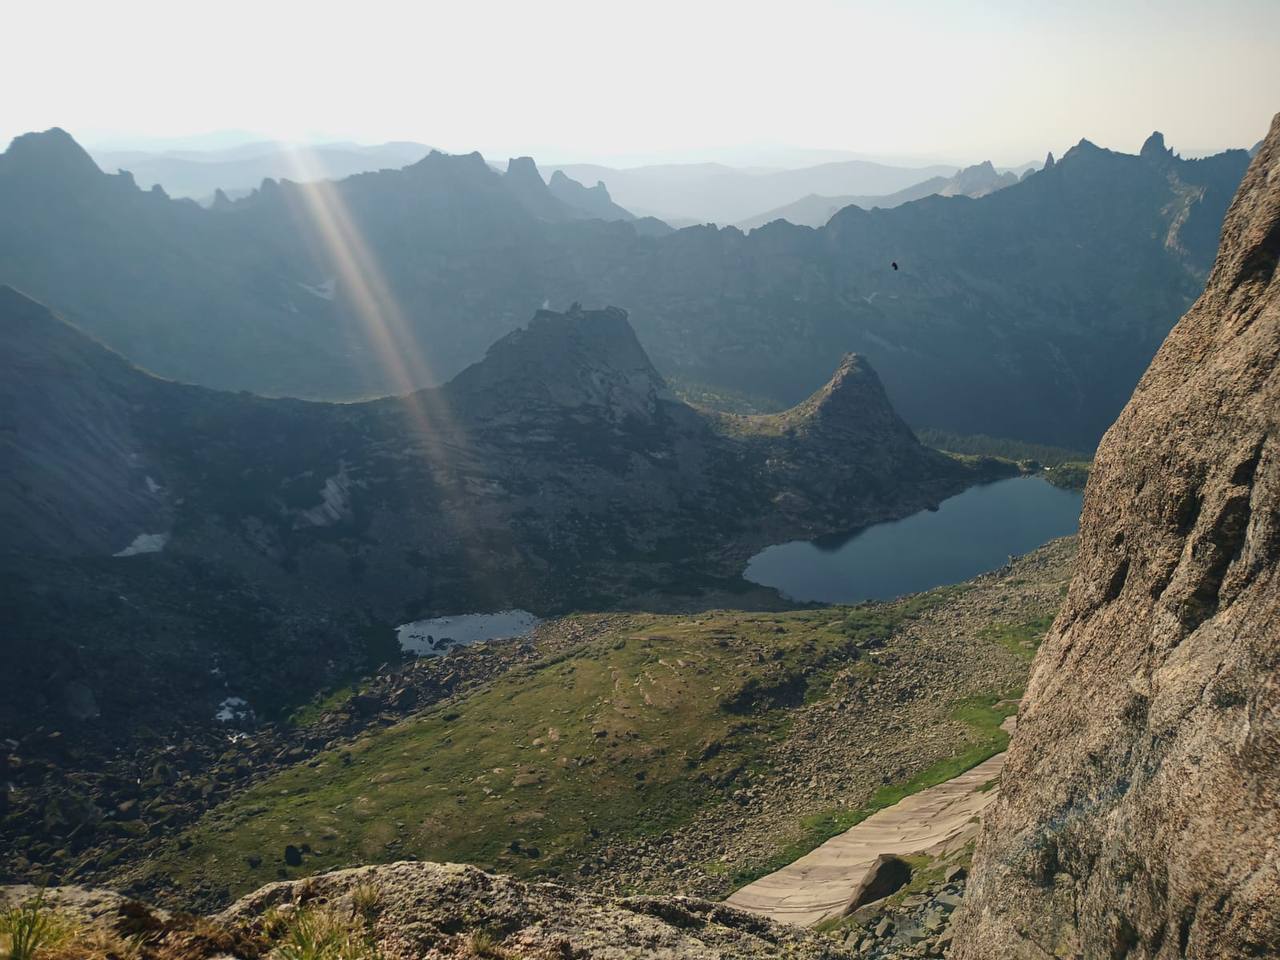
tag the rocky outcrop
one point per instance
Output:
(526, 185)
(1139, 814)
(421, 911)
(443, 910)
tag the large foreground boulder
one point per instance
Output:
(1139, 813)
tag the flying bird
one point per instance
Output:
(895, 264)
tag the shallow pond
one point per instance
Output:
(431, 638)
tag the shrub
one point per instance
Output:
(366, 899)
(320, 933)
(29, 928)
(483, 945)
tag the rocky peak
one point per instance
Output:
(586, 363)
(1084, 149)
(523, 170)
(1049, 161)
(459, 166)
(1139, 810)
(979, 180)
(525, 183)
(1153, 148)
(851, 407)
(51, 155)
(586, 201)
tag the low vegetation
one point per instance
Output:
(1064, 468)
(324, 933)
(980, 444)
(1022, 638)
(625, 735)
(30, 930)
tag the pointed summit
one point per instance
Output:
(850, 405)
(1049, 161)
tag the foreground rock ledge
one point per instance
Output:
(1139, 815)
(425, 911)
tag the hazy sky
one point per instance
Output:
(604, 80)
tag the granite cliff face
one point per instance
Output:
(1139, 814)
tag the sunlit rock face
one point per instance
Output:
(1139, 814)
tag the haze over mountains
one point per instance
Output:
(815, 210)
(679, 481)
(1055, 290)
(682, 194)
(198, 174)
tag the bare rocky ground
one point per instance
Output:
(867, 733)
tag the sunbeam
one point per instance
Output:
(322, 213)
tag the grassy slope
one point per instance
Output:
(624, 735)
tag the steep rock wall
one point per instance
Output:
(1139, 814)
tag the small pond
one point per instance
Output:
(431, 638)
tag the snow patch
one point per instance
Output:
(233, 708)
(324, 291)
(335, 502)
(144, 543)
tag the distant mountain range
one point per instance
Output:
(815, 210)
(1028, 313)
(688, 193)
(237, 170)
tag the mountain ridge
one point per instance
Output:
(1056, 290)
(566, 416)
(815, 210)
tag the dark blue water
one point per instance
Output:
(971, 533)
